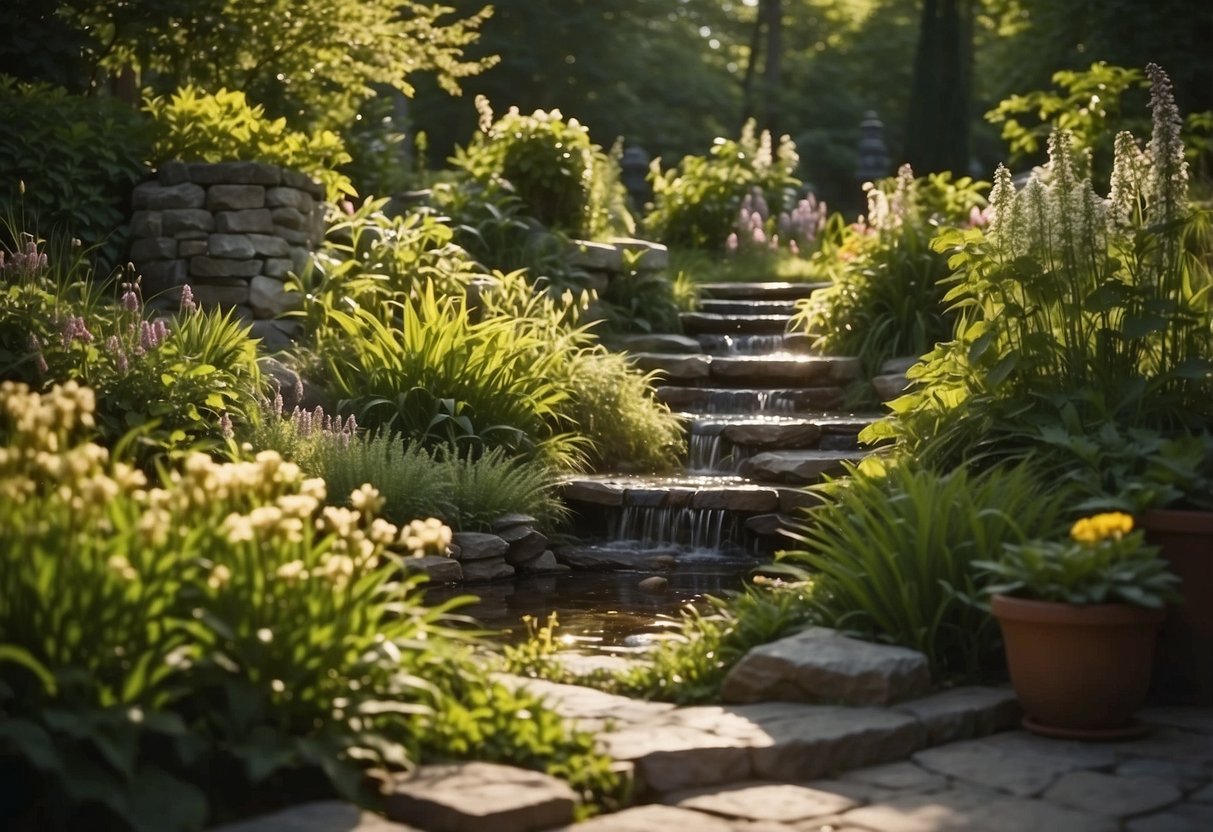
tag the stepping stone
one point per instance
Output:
(320, 816)
(655, 342)
(759, 290)
(801, 370)
(1021, 768)
(728, 400)
(718, 306)
(697, 323)
(675, 367)
(1186, 776)
(1107, 794)
(472, 797)
(802, 467)
(651, 819)
(823, 665)
(963, 809)
(903, 776)
(760, 800)
(1188, 817)
(964, 712)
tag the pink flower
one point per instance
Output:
(188, 305)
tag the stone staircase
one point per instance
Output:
(763, 419)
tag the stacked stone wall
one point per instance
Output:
(232, 231)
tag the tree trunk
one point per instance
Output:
(937, 131)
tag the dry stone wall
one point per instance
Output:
(231, 231)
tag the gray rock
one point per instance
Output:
(803, 466)
(1189, 817)
(248, 221)
(267, 245)
(773, 434)
(654, 585)
(680, 367)
(1107, 794)
(652, 818)
(901, 776)
(528, 547)
(277, 267)
(269, 298)
(1021, 769)
(759, 800)
(965, 712)
(748, 498)
(323, 816)
(275, 336)
(154, 248)
(235, 173)
(230, 246)
(473, 797)
(191, 248)
(656, 342)
(154, 196)
(173, 173)
(441, 570)
(210, 297)
(967, 810)
(603, 557)
(766, 524)
(486, 569)
(898, 366)
(793, 501)
(289, 218)
(510, 522)
(162, 275)
(295, 238)
(889, 387)
(803, 370)
(1184, 775)
(178, 222)
(595, 256)
(286, 197)
(822, 665)
(305, 183)
(592, 491)
(147, 224)
(234, 197)
(673, 757)
(203, 266)
(544, 564)
(653, 257)
(478, 546)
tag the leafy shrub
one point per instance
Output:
(178, 380)
(549, 162)
(195, 126)
(696, 202)
(891, 554)
(70, 163)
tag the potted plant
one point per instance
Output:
(1079, 620)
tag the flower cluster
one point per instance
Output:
(754, 229)
(1100, 527)
(24, 263)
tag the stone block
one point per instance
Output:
(231, 246)
(191, 248)
(653, 818)
(147, 224)
(748, 498)
(303, 182)
(822, 665)
(152, 196)
(319, 816)
(595, 256)
(653, 257)
(268, 245)
(656, 342)
(235, 197)
(592, 491)
(439, 569)
(471, 797)
(681, 367)
(526, 548)
(300, 255)
(188, 220)
(773, 434)
(204, 267)
(276, 336)
(248, 221)
(162, 275)
(512, 527)
(286, 197)
(479, 546)
(235, 173)
(803, 466)
(153, 248)
(268, 298)
(210, 296)
(972, 809)
(277, 267)
(289, 218)
(545, 563)
(763, 801)
(486, 569)
(173, 173)
(297, 238)
(964, 712)
(889, 387)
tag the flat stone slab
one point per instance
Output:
(901, 776)
(963, 809)
(320, 816)
(722, 306)
(1013, 763)
(799, 434)
(802, 370)
(798, 466)
(763, 800)
(697, 323)
(773, 290)
(890, 386)
(786, 400)
(1108, 794)
(471, 797)
(1189, 817)
(653, 818)
(674, 366)
(654, 342)
(964, 712)
(822, 665)
(440, 569)
(707, 492)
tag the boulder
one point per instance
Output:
(441, 570)
(820, 665)
(525, 548)
(486, 569)
(479, 546)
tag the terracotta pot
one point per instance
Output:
(1183, 671)
(1080, 672)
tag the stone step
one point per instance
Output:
(707, 492)
(751, 370)
(799, 467)
(697, 323)
(759, 291)
(751, 344)
(748, 307)
(724, 443)
(709, 400)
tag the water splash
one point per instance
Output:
(741, 344)
(749, 401)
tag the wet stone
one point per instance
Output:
(752, 498)
(486, 569)
(1107, 794)
(511, 521)
(656, 342)
(675, 367)
(889, 387)
(591, 491)
(805, 466)
(528, 547)
(441, 570)
(773, 434)
(472, 797)
(479, 546)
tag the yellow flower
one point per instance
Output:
(1099, 527)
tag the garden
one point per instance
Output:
(351, 427)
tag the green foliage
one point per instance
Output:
(612, 405)
(69, 162)
(639, 301)
(696, 202)
(195, 126)
(891, 553)
(437, 375)
(689, 667)
(562, 178)
(1107, 567)
(1100, 308)
(176, 381)
(465, 491)
(698, 266)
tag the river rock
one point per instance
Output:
(486, 569)
(479, 546)
(822, 665)
(528, 547)
(474, 797)
(510, 521)
(654, 585)
(805, 466)
(545, 564)
(441, 570)
(604, 557)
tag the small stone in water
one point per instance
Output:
(655, 584)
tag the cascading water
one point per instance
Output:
(748, 401)
(696, 528)
(741, 344)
